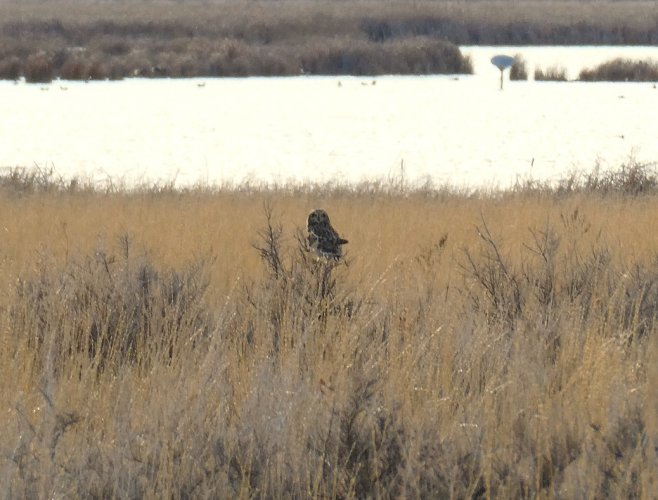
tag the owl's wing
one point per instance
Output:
(333, 236)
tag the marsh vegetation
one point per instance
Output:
(85, 39)
(622, 70)
(170, 342)
(553, 73)
(182, 343)
(518, 70)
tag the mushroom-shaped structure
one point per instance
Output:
(502, 62)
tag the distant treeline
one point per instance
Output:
(75, 39)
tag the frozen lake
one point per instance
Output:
(459, 130)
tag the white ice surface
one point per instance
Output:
(460, 130)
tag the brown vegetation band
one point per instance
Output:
(88, 40)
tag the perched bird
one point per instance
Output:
(322, 238)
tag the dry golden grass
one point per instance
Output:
(527, 371)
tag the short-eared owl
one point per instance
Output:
(323, 238)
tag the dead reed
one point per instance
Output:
(553, 73)
(179, 343)
(622, 70)
(518, 70)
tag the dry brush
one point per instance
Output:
(185, 343)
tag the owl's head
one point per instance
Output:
(318, 217)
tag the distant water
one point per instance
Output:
(460, 130)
